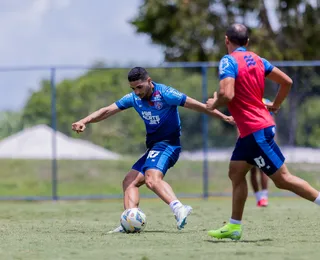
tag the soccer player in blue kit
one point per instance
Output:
(157, 106)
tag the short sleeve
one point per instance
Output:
(228, 67)
(174, 97)
(125, 102)
(268, 67)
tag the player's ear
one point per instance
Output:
(226, 40)
(247, 42)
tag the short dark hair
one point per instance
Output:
(238, 34)
(137, 73)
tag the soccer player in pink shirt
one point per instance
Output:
(242, 80)
(261, 195)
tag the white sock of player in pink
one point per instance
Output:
(234, 221)
(317, 200)
(264, 194)
(258, 195)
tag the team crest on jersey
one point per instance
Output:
(156, 96)
(158, 105)
(156, 100)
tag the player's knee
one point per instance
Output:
(281, 184)
(153, 178)
(282, 180)
(128, 181)
(253, 171)
(232, 176)
(151, 183)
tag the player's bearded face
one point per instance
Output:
(142, 88)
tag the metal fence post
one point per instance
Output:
(54, 132)
(205, 173)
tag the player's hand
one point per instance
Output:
(272, 108)
(230, 120)
(211, 101)
(78, 127)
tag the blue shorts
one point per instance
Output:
(161, 156)
(259, 149)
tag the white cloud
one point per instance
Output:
(54, 32)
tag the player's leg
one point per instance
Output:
(264, 189)
(237, 174)
(254, 183)
(161, 157)
(131, 183)
(283, 179)
(238, 169)
(271, 162)
(154, 181)
(254, 179)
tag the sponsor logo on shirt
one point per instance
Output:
(153, 120)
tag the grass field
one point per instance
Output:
(287, 229)
(33, 177)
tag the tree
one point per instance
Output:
(124, 132)
(10, 123)
(194, 31)
(309, 123)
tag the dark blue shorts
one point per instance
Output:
(161, 156)
(260, 149)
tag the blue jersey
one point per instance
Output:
(249, 71)
(228, 66)
(160, 113)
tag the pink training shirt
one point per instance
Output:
(247, 107)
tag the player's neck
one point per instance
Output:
(232, 48)
(149, 95)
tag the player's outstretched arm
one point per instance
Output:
(200, 107)
(224, 95)
(285, 83)
(96, 116)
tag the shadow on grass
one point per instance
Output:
(151, 232)
(239, 241)
(168, 232)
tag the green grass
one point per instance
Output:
(287, 229)
(33, 177)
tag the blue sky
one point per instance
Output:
(54, 32)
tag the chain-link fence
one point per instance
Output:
(42, 158)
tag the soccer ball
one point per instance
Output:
(133, 220)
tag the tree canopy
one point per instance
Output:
(194, 30)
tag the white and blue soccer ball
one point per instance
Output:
(133, 220)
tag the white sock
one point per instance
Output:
(174, 205)
(317, 201)
(264, 194)
(258, 195)
(233, 221)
